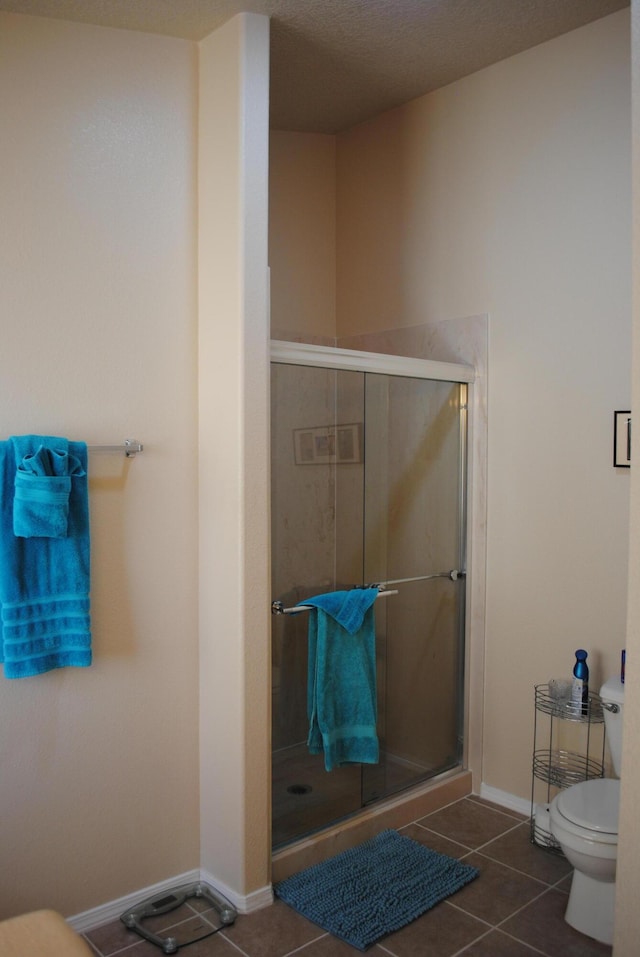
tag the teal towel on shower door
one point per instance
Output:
(342, 702)
(44, 580)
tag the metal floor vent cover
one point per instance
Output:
(171, 900)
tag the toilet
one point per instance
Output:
(584, 822)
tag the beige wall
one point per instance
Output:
(508, 193)
(519, 185)
(302, 233)
(99, 767)
(627, 924)
(234, 594)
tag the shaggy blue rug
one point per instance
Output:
(371, 890)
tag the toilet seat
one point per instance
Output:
(591, 807)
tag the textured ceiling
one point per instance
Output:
(335, 63)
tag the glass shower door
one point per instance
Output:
(414, 517)
(317, 476)
(367, 486)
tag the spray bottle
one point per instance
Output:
(580, 686)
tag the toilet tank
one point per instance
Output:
(612, 693)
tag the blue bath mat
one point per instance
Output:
(371, 890)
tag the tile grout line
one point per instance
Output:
(92, 947)
(494, 806)
(433, 830)
(300, 949)
(527, 943)
(516, 870)
(423, 824)
(236, 946)
(498, 837)
(517, 911)
(498, 925)
(480, 849)
(545, 886)
(473, 942)
(448, 837)
(466, 948)
(162, 930)
(114, 953)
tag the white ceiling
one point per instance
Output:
(335, 63)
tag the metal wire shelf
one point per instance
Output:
(544, 839)
(561, 768)
(555, 768)
(566, 709)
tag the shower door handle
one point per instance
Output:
(277, 607)
(454, 575)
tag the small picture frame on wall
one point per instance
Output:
(622, 439)
(328, 444)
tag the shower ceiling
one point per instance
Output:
(335, 63)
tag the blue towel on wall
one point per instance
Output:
(342, 703)
(42, 487)
(44, 581)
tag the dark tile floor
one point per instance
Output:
(515, 908)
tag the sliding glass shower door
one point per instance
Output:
(368, 485)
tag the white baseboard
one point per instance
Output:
(107, 912)
(506, 800)
(244, 904)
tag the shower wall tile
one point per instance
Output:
(303, 496)
(283, 335)
(303, 537)
(451, 340)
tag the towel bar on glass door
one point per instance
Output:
(130, 447)
(277, 607)
(455, 574)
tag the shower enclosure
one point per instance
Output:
(368, 486)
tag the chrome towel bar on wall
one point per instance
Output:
(130, 448)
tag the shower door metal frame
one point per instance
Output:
(334, 358)
(328, 357)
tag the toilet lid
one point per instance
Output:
(592, 804)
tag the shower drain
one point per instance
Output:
(299, 789)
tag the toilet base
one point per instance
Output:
(591, 907)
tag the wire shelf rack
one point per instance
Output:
(555, 767)
(566, 709)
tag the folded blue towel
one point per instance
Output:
(342, 702)
(42, 487)
(44, 581)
